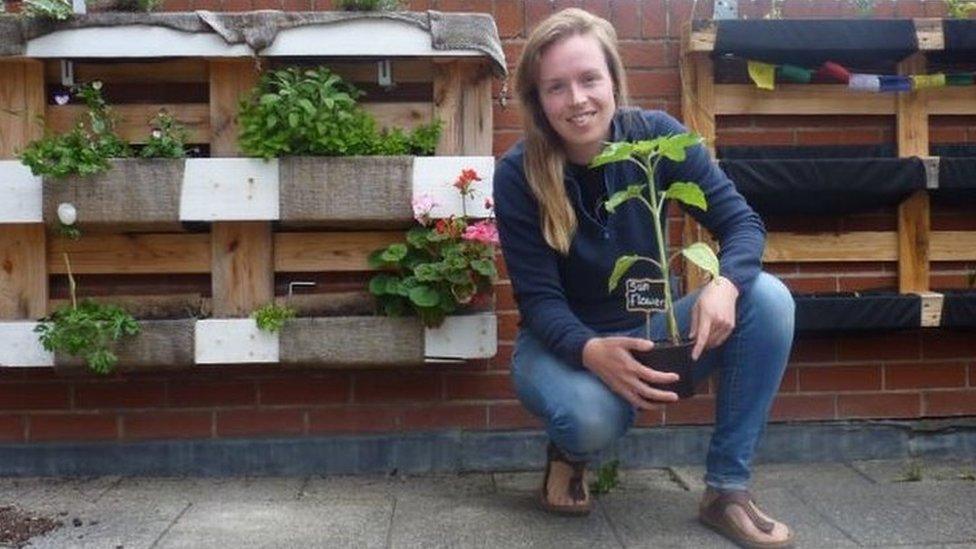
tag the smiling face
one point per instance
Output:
(576, 94)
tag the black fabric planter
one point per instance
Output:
(959, 309)
(810, 42)
(825, 187)
(957, 182)
(786, 152)
(960, 34)
(665, 357)
(857, 312)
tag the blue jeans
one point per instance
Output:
(583, 416)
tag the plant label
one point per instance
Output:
(645, 295)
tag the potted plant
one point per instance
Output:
(674, 353)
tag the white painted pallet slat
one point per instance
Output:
(21, 196)
(435, 177)
(463, 337)
(230, 189)
(21, 348)
(234, 341)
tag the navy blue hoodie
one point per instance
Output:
(563, 300)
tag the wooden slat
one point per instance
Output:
(448, 106)
(230, 81)
(952, 100)
(476, 114)
(313, 252)
(160, 345)
(806, 99)
(407, 115)
(814, 247)
(353, 341)
(133, 124)
(404, 70)
(702, 40)
(931, 308)
(132, 254)
(913, 214)
(23, 274)
(953, 246)
(21, 102)
(165, 70)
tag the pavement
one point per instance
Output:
(922, 503)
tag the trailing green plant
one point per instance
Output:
(607, 478)
(912, 473)
(864, 8)
(86, 148)
(272, 317)
(647, 155)
(369, 5)
(59, 10)
(296, 111)
(125, 5)
(442, 266)
(167, 138)
(959, 9)
(775, 9)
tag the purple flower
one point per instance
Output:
(62, 98)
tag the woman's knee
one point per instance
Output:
(590, 425)
(769, 296)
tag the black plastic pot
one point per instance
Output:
(667, 357)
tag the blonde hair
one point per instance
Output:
(544, 154)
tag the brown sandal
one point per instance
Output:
(715, 517)
(577, 489)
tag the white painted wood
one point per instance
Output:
(387, 38)
(233, 341)
(132, 41)
(230, 189)
(20, 346)
(361, 37)
(462, 337)
(21, 198)
(435, 176)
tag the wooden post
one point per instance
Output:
(913, 213)
(242, 276)
(23, 267)
(462, 101)
(698, 112)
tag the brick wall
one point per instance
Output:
(925, 373)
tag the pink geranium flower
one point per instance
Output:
(483, 231)
(422, 206)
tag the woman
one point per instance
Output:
(572, 365)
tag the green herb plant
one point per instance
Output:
(864, 8)
(59, 10)
(647, 155)
(87, 148)
(295, 111)
(272, 317)
(86, 330)
(369, 5)
(607, 478)
(167, 138)
(959, 9)
(442, 266)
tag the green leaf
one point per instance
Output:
(646, 147)
(624, 263)
(394, 253)
(293, 119)
(619, 197)
(377, 284)
(307, 105)
(417, 236)
(687, 193)
(674, 147)
(424, 296)
(614, 152)
(703, 256)
(427, 272)
(485, 267)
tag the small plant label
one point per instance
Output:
(645, 295)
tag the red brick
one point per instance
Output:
(879, 405)
(647, 55)
(947, 135)
(183, 393)
(470, 6)
(11, 428)
(359, 419)
(790, 382)
(73, 427)
(840, 378)
(910, 8)
(508, 118)
(504, 141)
(653, 417)
(811, 284)
(972, 375)
(802, 407)
(896, 345)
(505, 298)
(234, 423)
(695, 410)
(297, 5)
(655, 19)
(535, 12)
(238, 5)
(936, 9)
(512, 416)
(507, 326)
(396, 386)
(306, 390)
(626, 18)
(884, 221)
(267, 4)
(419, 5)
(866, 267)
(834, 137)
(730, 138)
(559, 5)
(948, 344)
(33, 396)
(176, 5)
(445, 417)
(509, 18)
(884, 10)
(814, 349)
(862, 283)
(503, 358)
(679, 14)
(654, 83)
(923, 376)
(212, 5)
(950, 403)
(120, 394)
(165, 424)
(482, 386)
(600, 8)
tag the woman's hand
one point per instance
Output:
(610, 359)
(713, 315)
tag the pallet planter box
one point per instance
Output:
(243, 220)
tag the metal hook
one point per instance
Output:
(67, 72)
(297, 283)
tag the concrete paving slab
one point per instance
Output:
(505, 519)
(658, 518)
(884, 515)
(929, 470)
(778, 475)
(433, 485)
(245, 524)
(112, 523)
